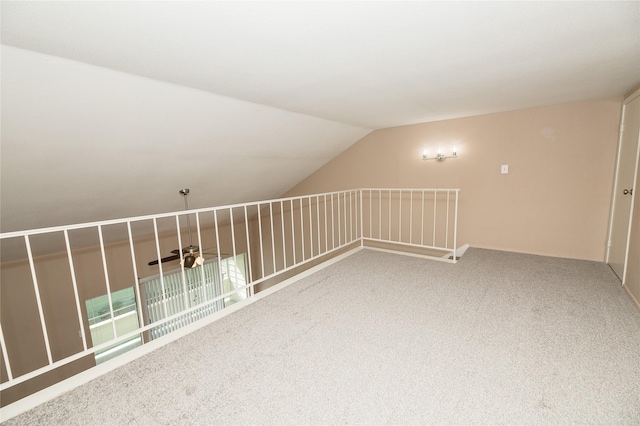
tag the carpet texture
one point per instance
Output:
(378, 338)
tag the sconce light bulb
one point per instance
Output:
(440, 156)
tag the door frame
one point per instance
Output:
(627, 99)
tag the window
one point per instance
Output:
(234, 273)
(180, 295)
(125, 320)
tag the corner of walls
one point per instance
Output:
(554, 200)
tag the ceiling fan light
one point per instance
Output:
(189, 260)
(199, 261)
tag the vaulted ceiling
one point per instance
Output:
(109, 108)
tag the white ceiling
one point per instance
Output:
(370, 64)
(261, 94)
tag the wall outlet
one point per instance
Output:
(504, 169)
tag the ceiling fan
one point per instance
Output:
(191, 255)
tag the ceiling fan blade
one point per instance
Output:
(165, 259)
(184, 250)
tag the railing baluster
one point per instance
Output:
(346, 221)
(411, 217)
(333, 231)
(400, 216)
(435, 199)
(356, 214)
(220, 278)
(361, 216)
(326, 229)
(370, 214)
(155, 231)
(344, 208)
(182, 271)
(310, 228)
(233, 235)
(446, 233)
(390, 197)
(318, 221)
(302, 229)
(380, 214)
(351, 214)
(339, 227)
(284, 246)
(106, 280)
(202, 277)
(75, 289)
(273, 237)
(260, 240)
(5, 355)
(43, 324)
(422, 220)
(455, 229)
(246, 224)
(135, 279)
(293, 233)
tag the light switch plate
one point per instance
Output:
(504, 169)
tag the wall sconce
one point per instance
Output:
(440, 156)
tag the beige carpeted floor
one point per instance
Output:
(378, 338)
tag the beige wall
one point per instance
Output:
(554, 200)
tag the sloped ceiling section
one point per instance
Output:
(369, 64)
(109, 108)
(82, 143)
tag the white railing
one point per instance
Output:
(421, 218)
(272, 236)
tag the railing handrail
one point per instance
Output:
(411, 189)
